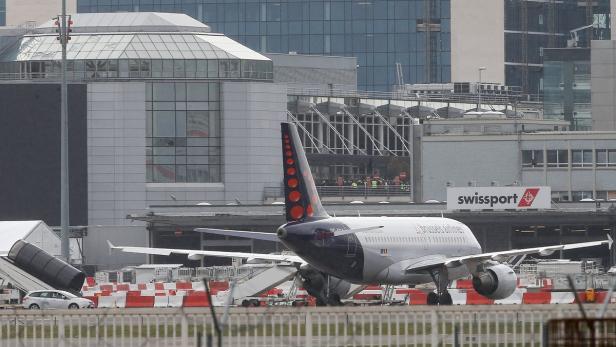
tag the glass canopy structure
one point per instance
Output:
(134, 45)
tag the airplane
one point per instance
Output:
(331, 253)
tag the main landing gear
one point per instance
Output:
(441, 296)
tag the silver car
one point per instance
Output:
(43, 299)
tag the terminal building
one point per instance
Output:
(167, 117)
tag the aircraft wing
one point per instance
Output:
(501, 255)
(240, 233)
(195, 253)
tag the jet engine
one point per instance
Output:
(495, 282)
(327, 289)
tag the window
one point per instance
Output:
(532, 158)
(183, 129)
(579, 195)
(560, 196)
(558, 158)
(581, 158)
(606, 157)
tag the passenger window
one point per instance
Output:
(45, 295)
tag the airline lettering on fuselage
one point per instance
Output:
(439, 229)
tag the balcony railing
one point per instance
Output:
(347, 191)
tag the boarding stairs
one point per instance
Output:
(264, 281)
(388, 293)
(19, 278)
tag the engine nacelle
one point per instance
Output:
(329, 291)
(496, 282)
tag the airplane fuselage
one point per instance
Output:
(381, 254)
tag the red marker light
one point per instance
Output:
(294, 196)
(287, 147)
(292, 182)
(290, 161)
(291, 171)
(297, 212)
(288, 153)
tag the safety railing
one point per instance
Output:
(288, 326)
(361, 190)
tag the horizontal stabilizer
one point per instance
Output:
(240, 233)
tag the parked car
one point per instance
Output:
(43, 299)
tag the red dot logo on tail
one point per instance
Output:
(294, 196)
(297, 212)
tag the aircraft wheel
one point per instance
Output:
(432, 298)
(446, 299)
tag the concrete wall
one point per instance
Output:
(459, 161)
(477, 39)
(251, 116)
(603, 82)
(22, 11)
(613, 17)
(116, 171)
(485, 158)
(315, 71)
(252, 152)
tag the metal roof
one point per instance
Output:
(103, 36)
(131, 46)
(11, 231)
(129, 21)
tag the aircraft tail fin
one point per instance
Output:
(301, 198)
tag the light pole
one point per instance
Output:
(63, 32)
(481, 68)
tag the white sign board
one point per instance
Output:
(498, 198)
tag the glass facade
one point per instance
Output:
(183, 132)
(380, 34)
(566, 88)
(2, 12)
(531, 26)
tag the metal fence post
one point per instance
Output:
(434, 328)
(308, 342)
(184, 329)
(61, 337)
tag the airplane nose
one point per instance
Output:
(282, 234)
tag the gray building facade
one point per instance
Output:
(603, 91)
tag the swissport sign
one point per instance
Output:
(498, 198)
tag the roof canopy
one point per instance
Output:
(146, 35)
(131, 46)
(130, 22)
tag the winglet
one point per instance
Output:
(111, 246)
(610, 241)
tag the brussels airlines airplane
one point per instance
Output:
(333, 252)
